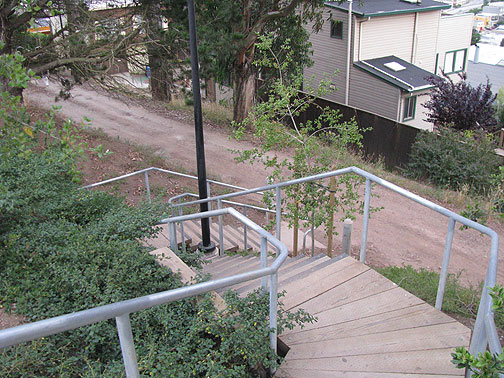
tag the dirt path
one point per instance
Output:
(403, 233)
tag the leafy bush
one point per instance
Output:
(460, 106)
(453, 160)
(484, 365)
(64, 250)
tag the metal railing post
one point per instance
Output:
(221, 233)
(273, 311)
(127, 346)
(182, 235)
(313, 235)
(367, 199)
(172, 228)
(278, 218)
(209, 203)
(147, 186)
(446, 260)
(245, 240)
(264, 261)
(346, 244)
(479, 336)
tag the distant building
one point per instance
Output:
(485, 20)
(394, 46)
(495, 10)
(41, 25)
(486, 62)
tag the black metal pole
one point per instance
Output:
(206, 245)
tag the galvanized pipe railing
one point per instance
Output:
(154, 169)
(482, 335)
(244, 207)
(121, 310)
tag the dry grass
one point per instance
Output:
(220, 115)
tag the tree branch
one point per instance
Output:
(67, 61)
(23, 18)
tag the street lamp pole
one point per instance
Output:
(206, 244)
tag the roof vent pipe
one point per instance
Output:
(476, 54)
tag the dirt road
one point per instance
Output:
(402, 233)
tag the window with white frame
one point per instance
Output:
(409, 106)
(455, 61)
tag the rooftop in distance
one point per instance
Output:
(387, 7)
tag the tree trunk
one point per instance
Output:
(160, 87)
(159, 83)
(6, 40)
(211, 92)
(5, 36)
(243, 92)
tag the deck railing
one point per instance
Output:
(484, 333)
(499, 138)
(121, 310)
(146, 171)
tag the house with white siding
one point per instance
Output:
(384, 49)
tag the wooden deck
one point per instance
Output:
(367, 327)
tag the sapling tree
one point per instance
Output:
(316, 145)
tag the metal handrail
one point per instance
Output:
(481, 336)
(238, 204)
(121, 310)
(484, 332)
(173, 236)
(174, 173)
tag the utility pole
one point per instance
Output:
(206, 244)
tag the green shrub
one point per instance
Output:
(484, 365)
(453, 160)
(64, 250)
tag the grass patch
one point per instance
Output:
(212, 112)
(458, 299)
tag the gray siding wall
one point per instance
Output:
(329, 55)
(373, 95)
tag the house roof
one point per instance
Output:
(489, 54)
(479, 73)
(376, 8)
(409, 78)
